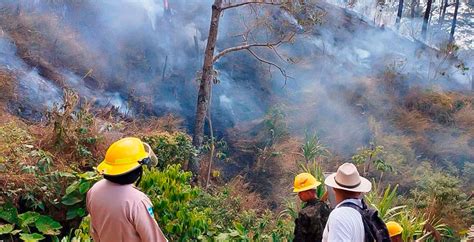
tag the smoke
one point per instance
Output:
(150, 56)
(30, 83)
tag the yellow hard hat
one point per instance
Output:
(304, 182)
(126, 155)
(394, 228)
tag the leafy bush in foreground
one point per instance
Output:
(171, 194)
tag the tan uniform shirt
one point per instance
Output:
(121, 213)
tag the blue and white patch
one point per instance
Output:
(150, 211)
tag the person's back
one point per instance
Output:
(345, 223)
(312, 217)
(311, 220)
(121, 213)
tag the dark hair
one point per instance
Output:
(127, 178)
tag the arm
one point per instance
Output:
(145, 223)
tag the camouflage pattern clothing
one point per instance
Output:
(309, 225)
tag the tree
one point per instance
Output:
(453, 25)
(424, 28)
(210, 58)
(399, 13)
(443, 11)
(413, 8)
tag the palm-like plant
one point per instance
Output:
(414, 223)
(384, 202)
(313, 149)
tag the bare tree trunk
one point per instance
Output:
(212, 145)
(399, 13)
(443, 12)
(412, 8)
(453, 25)
(424, 28)
(206, 78)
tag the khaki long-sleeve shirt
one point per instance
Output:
(121, 213)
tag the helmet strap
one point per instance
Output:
(139, 178)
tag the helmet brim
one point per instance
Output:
(302, 189)
(114, 170)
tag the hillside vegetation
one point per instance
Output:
(403, 115)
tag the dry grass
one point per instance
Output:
(464, 118)
(238, 187)
(438, 106)
(413, 122)
(44, 42)
(7, 86)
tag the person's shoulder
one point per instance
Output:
(96, 186)
(139, 195)
(313, 208)
(344, 212)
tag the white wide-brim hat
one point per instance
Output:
(347, 178)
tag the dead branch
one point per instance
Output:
(268, 2)
(243, 47)
(282, 71)
(272, 46)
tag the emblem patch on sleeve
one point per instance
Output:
(150, 211)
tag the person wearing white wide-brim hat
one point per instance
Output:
(345, 223)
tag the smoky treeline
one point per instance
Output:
(144, 57)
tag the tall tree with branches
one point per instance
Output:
(208, 74)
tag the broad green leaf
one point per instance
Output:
(9, 213)
(6, 228)
(28, 218)
(71, 199)
(71, 188)
(47, 225)
(84, 187)
(71, 213)
(75, 212)
(31, 237)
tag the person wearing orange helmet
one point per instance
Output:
(118, 210)
(312, 218)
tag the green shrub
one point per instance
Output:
(171, 194)
(28, 226)
(175, 148)
(75, 195)
(276, 124)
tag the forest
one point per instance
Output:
(235, 98)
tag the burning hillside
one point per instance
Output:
(89, 72)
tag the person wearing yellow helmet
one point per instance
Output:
(312, 218)
(395, 231)
(118, 210)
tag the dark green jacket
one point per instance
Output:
(309, 225)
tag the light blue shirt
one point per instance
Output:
(344, 224)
